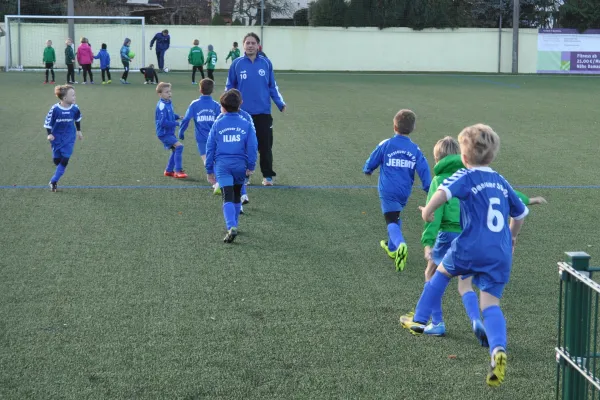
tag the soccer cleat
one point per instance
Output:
(384, 246)
(146, 83)
(169, 173)
(267, 181)
(245, 199)
(231, 234)
(497, 368)
(53, 186)
(104, 83)
(416, 328)
(122, 81)
(45, 82)
(194, 83)
(479, 331)
(216, 189)
(400, 257)
(52, 82)
(435, 330)
(180, 174)
(109, 82)
(241, 210)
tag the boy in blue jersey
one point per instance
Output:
(204, 111)
(231, 157)
(62, 120)
(166, 121)
(483, 250)
(398, 158)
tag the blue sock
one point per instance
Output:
(431, 298)
(395, 235)
(436, 312)
(171, 163)
(244, 189)
(178, 158)
(60, 170)
(495, 327)
(238, 208)
(229, 215)
(471, 304)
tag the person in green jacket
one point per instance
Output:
(70, 61)
(211, 62)
(438, 235)
(49, 59)
(196, 58)
(233, 53)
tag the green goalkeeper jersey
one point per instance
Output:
(49, 55)
(233, 54)
(211, 60)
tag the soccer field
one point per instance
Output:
(119, 285)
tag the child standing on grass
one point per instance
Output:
(85, 58)
(62, 120)
(203, 111)
(166, 121)
(231, 154)
(150, 76)
(49, 59)
(196, 58)
(125, 60)
(484, 248)
(233, 53)
(438, 236)
(70, 61)
(398, 158)
(104, 63)
(211, 62)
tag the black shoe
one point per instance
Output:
(53, 186)
(231, 234)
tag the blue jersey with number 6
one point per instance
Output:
(486, 202)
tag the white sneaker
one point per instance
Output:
(216, 189)
(245, 199)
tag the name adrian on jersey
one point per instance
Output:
(205, 118)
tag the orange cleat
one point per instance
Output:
(169, 173)
(180, 175)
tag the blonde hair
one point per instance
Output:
(196, 42)
(84, 40)
(61, 90)
(404, 122)
(479, 144)
(162, 86)
(445, 147)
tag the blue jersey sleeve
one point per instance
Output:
(211, 148)
(518, 209)
(374, 160)
(162, 118)
(50, 118)
(251, 146)
(185, 122)
(231, 78)
(274, 89)
(153, 40)
(424, 173)
(456, 185)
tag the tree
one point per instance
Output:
(301, 17)
(579, 14)
(327, 12)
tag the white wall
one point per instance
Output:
(305, 48)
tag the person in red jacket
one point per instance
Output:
(85, 58)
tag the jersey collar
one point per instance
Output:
(483, 169)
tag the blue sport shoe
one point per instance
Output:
(435, 330)
(479, 331)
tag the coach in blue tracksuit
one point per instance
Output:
(230, 157)
(253, 76)
(163, 41)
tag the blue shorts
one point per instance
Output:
(229, 175)
(202, 147)
(168, 141)
(62, 150)
(442, 245)
(483, 280)
(391, 202)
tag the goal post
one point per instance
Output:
(26, 37)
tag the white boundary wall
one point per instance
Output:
(323, 49)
